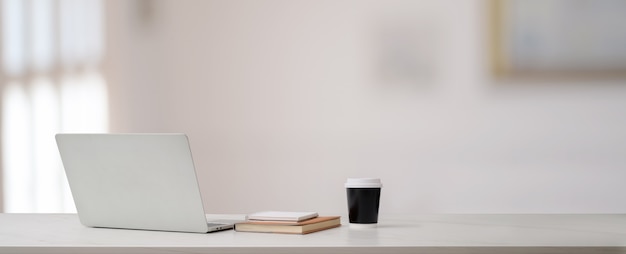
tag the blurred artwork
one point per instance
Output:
(559, 38)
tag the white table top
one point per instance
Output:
(424, 233)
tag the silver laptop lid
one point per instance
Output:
(134, 181)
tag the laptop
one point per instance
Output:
(135, 181)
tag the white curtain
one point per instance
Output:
(51, 82)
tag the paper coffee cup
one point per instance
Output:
(363, 201)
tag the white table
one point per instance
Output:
(62, 233)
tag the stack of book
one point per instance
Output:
(287, 222)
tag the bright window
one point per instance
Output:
(51, 82)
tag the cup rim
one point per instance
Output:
(363, 183)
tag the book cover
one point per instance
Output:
(286, 227)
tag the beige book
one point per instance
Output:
(302, 227)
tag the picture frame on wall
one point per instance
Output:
(558, 38)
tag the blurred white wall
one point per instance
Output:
(283, 100)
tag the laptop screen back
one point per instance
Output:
(134, 181)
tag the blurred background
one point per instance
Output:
(473, 106)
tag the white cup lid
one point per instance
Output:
(363, 183)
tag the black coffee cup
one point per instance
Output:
(363, 201)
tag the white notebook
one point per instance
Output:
(281, 216)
